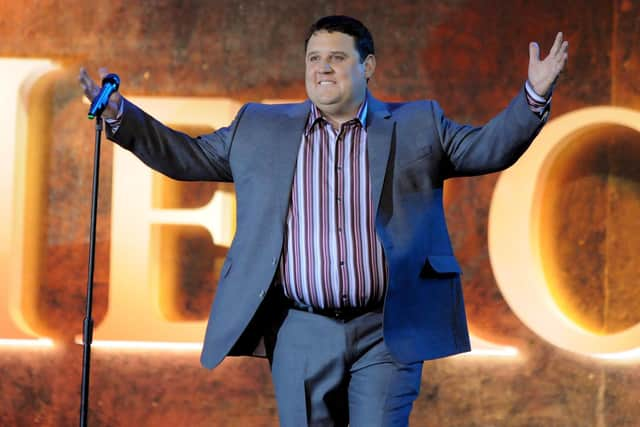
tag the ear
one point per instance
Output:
(369, 64)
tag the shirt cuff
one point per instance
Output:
(538, 104)
(114, 124)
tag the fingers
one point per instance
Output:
(564, 54)
(561, 54)
(534, 52)
(557, 44)
(558, 54)
(559, 51)
(89, 87)
(83, 77)
(564, 51)
(544, 73)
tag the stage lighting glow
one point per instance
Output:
(483, 348)
(41, 342)
(624, 356)
(145, 345)
(504, 352)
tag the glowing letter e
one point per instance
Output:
(134, 314)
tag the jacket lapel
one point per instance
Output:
(379, 134)
(289, 136)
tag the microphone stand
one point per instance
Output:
(87, 329)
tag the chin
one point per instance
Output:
(324, 101)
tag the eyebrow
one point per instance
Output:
(333, 52)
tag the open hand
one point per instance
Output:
(91, 90)
(544, 73)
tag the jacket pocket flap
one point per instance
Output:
(443, 264)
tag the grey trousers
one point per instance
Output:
(327, 372)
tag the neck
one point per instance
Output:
(337, 118)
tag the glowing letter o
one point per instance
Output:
(514, 249)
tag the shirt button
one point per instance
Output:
(341, 262)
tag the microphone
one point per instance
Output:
(110, 84)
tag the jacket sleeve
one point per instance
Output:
(173, 153)
(492, 147)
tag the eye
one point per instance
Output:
(338, 58)
(314, 58)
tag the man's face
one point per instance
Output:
(336, 79)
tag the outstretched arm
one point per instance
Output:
(173, 153)
(498, 144)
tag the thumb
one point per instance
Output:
(534, 52)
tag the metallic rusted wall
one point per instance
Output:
(469, 55)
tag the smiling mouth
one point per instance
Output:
(325, 82)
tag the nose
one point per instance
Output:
(325, 67)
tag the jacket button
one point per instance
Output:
(261, 294)
(274, 260)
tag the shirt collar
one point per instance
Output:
(315, 115)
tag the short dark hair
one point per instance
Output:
(347, 25)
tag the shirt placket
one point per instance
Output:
(340, 183)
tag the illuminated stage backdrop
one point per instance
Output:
(548, 247)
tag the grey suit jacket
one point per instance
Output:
(412, 149)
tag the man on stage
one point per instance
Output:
(341, 271)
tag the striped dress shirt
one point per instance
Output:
(332, 257)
